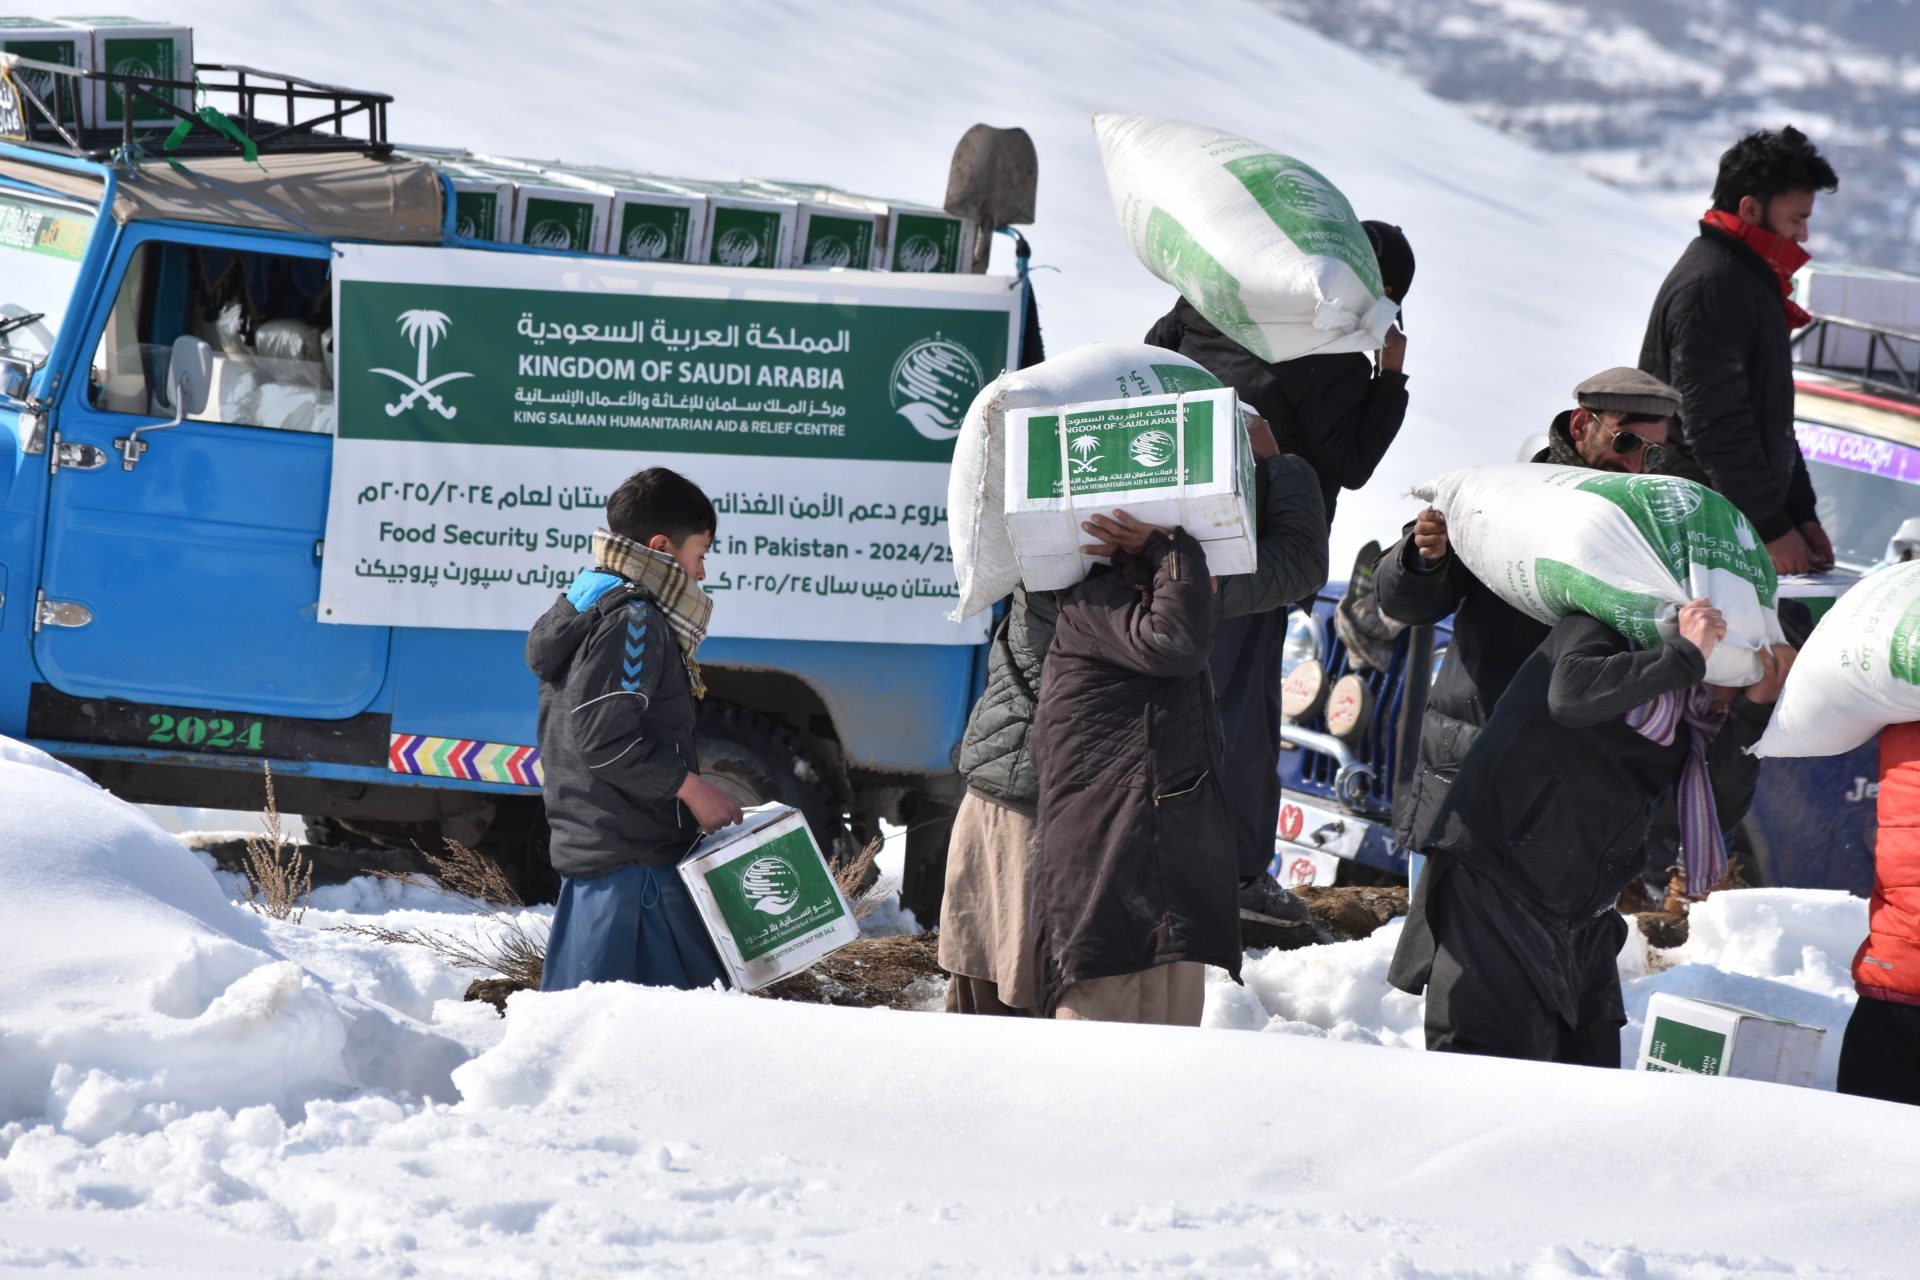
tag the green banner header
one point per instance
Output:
(858, 377)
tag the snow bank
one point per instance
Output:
(1337, 992)
(1103, 1149)
(136, 991)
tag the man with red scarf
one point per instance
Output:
(1719, 334)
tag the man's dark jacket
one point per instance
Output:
(616, 729)
(1134, 868)
(1554, 800)
(1718, 335)
(1332, 410)
(1290, 561)
(1490, 640)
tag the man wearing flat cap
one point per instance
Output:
(1619, 422)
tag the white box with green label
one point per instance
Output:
(747, 226)
(551, 213)
(649, 220)
(829, 233)
(910, 237)
(53, 42)
(1173, 460)
(767, 898)
(483, 202)
(1707, 1038)
(135, 47)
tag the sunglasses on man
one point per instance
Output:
(1626, 443)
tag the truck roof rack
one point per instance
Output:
(233, 118)
(1874, 355)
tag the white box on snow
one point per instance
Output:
(767, 898)
(1129, 455)
(1711, 1039)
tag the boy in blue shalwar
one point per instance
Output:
(618, 683)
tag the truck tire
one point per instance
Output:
(756, 760)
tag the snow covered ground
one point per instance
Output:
(1532, 275)
(188, 1090)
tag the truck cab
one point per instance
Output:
(168, 417)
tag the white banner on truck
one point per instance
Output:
(490, 402)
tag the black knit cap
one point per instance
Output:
(1395, 255)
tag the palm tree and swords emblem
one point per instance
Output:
(423, 329)
(1085, 446)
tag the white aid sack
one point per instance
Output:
(1626, 549)
(983, 558)
(1859, 672)
(1261, 244)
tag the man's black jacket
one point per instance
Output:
(1718, 335)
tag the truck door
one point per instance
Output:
(187, 572)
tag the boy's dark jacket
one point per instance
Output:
(616, 729)
(1136, 865)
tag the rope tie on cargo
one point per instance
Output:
(1180, 456)
(1066, 496)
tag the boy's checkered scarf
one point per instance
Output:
(661, 579)
(1703, 848)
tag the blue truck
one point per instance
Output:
(160, 559)
(1857, 412)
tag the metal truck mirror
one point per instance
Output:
(189, 379)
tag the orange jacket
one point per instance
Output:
(1887, 966)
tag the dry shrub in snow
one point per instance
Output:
(508, 948)
(865, 892)
(279, 876)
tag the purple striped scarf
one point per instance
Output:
(1703, 850)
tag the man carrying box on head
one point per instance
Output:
(1512, 932)
(1134, 887)
(984, 920)
(618, 683)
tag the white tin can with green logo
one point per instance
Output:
(1181, 460)
(767, 897)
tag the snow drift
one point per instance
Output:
(135, 990)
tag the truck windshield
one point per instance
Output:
(1867, 487)
(40, 250)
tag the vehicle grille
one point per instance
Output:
(1379, 747)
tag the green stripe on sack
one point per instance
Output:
(1565, 589)
(1176, 257)
(1690, 526)
(1310, 211)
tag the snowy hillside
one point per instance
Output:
(189, 1091)
(1531, 275)
(1646, 94)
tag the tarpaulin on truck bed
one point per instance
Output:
(334, 195)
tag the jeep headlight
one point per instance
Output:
(1306, 639)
